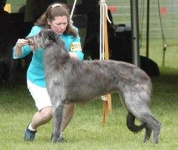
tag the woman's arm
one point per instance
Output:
(21, 49)
(18, 47)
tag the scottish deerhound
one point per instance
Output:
(70, 80)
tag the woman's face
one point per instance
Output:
(59, 24)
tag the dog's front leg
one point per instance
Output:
(57, 123)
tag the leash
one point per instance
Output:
(103, 7)
(72, 11)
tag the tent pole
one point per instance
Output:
(148, 29)
(135, 32)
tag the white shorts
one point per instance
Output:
(40, 95)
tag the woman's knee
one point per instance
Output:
(46, 113)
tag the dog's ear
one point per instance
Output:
(52, 36)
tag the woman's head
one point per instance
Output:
(57, 17)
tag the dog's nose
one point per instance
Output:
(29, 41)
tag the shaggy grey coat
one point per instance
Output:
(70, 80)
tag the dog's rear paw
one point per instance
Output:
(61, 139)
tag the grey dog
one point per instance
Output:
(70, 81)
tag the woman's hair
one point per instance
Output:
(55, 10)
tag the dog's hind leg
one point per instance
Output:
(152, 125)
(156, 132)
(147, 133)
(135, 128)
(138, 104)
(57, 123)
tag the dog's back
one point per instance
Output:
(103, 76)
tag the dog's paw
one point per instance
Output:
(61, 139)
(55, 139)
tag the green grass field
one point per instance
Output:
(86, 132)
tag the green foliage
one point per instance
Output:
(86, 130)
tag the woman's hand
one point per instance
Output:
(18, 46)
(73, 55)
(21, 42)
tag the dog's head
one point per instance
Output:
(43, 39)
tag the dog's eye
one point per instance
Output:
(51, 36)
(40, 34)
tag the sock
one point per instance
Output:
(30, 128)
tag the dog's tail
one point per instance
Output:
(131, 123)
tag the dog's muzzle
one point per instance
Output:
(30, 42)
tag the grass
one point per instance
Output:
(86, 132)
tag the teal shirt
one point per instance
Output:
(35, 72)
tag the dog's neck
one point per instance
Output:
(56, 53)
